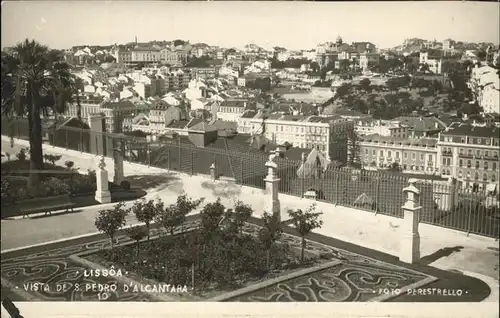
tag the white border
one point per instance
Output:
(207, 309)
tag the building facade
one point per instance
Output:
(329, 136)
(410, 155)
(470, 155)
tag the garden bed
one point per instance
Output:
(215, 275)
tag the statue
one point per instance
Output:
(272, 156)
(102, 163)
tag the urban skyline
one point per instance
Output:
(305, 25)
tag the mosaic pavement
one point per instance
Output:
(357, 278)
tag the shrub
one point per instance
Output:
(69, 164)
(125, 185)
(21, 155)
(91, 175)
(6, 188)
(53, 186)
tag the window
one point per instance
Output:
(485, 177)
(494, 166)
(430, 157)
(422, 157)
(381, 153)
(478, 152)
(397, 154)
(405, 155)
(413, 156)
(469, 152)
(477, 164)
(476, 176)
(469, 164)
(374, 152)
(389, 154)
(493, 178)
(486, 165)
(460, 163)
(444, 161)
(486, 153)
(366, 151)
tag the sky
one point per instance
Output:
(294, 25)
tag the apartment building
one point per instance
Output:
(89, 105)
(231, 109)
(485, 85)
(116, 112)
(470, 154)
(386, 128)
(434, 62)
(411, 155)
(422, 127)
(327, 134)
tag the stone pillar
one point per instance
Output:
(410, 242)
(118, 162)
(102, 193)
(272, 204)
(96, 136)
(213, 172)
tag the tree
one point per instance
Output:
(109, 221)
(269, 234)
(343, 90)
(314, 66)
(344, 65)
(353, 149)
(179, 42)
(175, 214)
(365, 84)
(242, 212)
(137, 233)
(305, 222)
(35, 80)
(146, 211)
(211, 216)
(393, 84)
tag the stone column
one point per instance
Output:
(410, 241)
(102, 193)
(118, 162)
(272, 204)
(96, 136)
(213, 172)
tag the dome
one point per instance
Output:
(339, 40)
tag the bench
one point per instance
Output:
(46, 205)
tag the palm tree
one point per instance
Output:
(35, 80)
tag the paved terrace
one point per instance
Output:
(440, 247)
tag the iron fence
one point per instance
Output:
(443, 204)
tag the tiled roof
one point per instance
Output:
(422, 123)
(458, 129)
(249, 114)
(223, 125)
(120, 104)
(178, 124)
(420, 142)
(193, 122)
(203, 126)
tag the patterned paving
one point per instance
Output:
(357, 278)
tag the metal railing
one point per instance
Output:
(443, 204)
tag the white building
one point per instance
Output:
(433, 63)
(485, 85)
(386, 128)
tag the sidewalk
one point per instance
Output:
(439, 247)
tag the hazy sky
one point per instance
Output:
(62, 24)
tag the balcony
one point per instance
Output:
(466, 155)
(447, 153)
